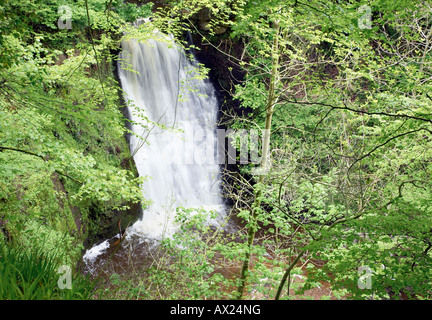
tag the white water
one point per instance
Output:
(180, 160)
(181, 164)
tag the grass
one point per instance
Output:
(34, 276)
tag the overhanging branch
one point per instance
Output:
(45, 159)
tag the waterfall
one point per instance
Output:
(173, 114)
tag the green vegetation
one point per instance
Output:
(65, 164)
(35, 276)
(340, 91)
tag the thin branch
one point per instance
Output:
(307, 5)
(345, 107)
(288, 272)
(384, 143)
(45, 159)
(23, 151)
(94, 49)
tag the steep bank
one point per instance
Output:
(66, 175)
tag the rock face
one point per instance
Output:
(203, 19)
(109, 223)
(60, 189)
(115, 222)
(224, 73)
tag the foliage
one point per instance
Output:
(350, 135)
(344, 97)
(199, 262)
(34, 276)
(64, 161)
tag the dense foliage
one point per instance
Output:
(340, 91)
(64, 161)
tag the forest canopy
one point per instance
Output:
(340, 91)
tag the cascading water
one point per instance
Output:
(174, 144)
(179, 159)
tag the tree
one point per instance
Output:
(348, 104)
(63, 156)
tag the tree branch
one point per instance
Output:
(287, 273)
(345, 107)
(384, 143)
(45, 159)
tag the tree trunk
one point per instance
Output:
(272, 100)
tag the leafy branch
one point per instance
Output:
(44, 158)
(386, 142)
